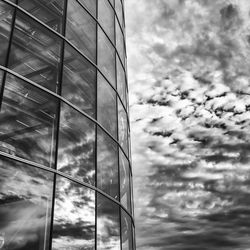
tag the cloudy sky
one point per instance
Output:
(189, 73)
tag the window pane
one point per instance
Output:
(106, 18)
(120, 43)
(126, 231)
(6, 15)
(123, 127)
(35, 52)
(124, 181)
(90, 5)
(119, 12)
(121, 82)
(106, 111)
(28, 122)
(107, 164)
(81, 29)
(49, 12)
(79, 81)
(106, 57)
(25, 211)
(74, 216)
(76, 152)
(108, 224)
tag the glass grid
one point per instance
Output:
(54, 139)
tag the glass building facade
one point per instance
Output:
(65, 168)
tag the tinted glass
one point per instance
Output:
(90, 5)
(6, 15)
(106, 57)
(28, 122)
(119, 12)
(25, 210)
(120, 43)
(124, 181)
(79, 81)
(106, 110)
(106, 18)
(74, 216)
(81, 29)
(35, 52)
(49, 12)
(126, 226)
(76, 145)
(123, 127)
(108, 224)
(107, 164)
(121, 82)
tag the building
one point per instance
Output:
(65, 172)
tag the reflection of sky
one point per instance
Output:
(190, 108)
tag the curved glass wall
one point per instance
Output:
(65, 169)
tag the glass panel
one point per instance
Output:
(28, 122)
(121, 82)
(124, 181)
(25, 211)
(120, 43)
(107, 164)
(81, 29)
(123, 127)
(108, 224)
(119, 12)
(79, 81)
(126, 226)
(35, 52)
(106, 57)
(90, 5)
(74, 216)
(106, 110)
(76, 152)
(106, 18)
(49, 12)
(6, 15)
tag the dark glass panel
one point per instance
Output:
(76, 152)
(90, 5)
(108, 224)
(6, 15)
(124, 181)
(35, 52)
(106, 57)
(123, 127)
(126, 226)
(106, 110)
(106, 17)
(28, 122)
(74, 216)
(120, 42)
(25, 210)
(121, 82)
(107, 164)
(79, 81)
(81, 29)
(119, 12)
(49, 12)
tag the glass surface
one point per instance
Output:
(35, 52)
(121, 82)
(28, 122)
(120, 42)
(79, 81)
(106, 57)
(124, 181)
(108, 224)
(107, 164)
(119, 12)
(76, 147)
(6, 15)
(126, 226)
(90, 5)
(74, 216)
(106, 110)
(25, 210)
(106, 18)
(81, 29)
(49, 12)
(122, 127)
